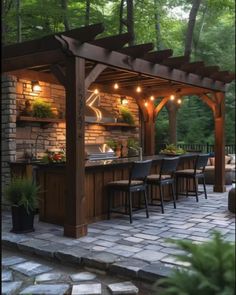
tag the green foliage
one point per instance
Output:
(112, 144)
(42, 109)
(126, 115)
(133, 143)
(172, 150)
(22, 191)
(211, 269)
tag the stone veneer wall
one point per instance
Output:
(20, 138)
(8, 127)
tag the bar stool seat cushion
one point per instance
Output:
(155, 177)
(188, 171)
(125, 183)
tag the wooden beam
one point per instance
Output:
(158, 56)
(160, 106)
(113, 42)
(122, 61)
(33, 59)
(219, 75)
(205, 98)
(172, 109)
(192, 66)
(59, 74)
(94, 73)
(75, 208)
(207, 71)
(219, 185)
(149, 132)
(35, 75)
(176, 62)
(137, 50)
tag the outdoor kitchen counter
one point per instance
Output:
(52, 181)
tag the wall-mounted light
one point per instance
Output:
(123, 100)
(172, 97)
(35, 86)
(152, 97)
(116, 86)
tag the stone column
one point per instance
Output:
(8, 128)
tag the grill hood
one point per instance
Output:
(94, 113)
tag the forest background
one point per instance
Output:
(203, 29)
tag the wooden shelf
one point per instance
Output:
(39, 120)
(119, 124)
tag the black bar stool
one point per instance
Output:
(200, 162)
(165, 177)
(135, 183)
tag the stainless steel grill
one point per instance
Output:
(99, 152)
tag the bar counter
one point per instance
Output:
(51, 179)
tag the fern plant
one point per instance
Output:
(211, 269)
(126, 115)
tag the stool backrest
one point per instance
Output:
(140, 170)
(169, 166)
(201, 162)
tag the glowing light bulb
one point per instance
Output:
(152, 97)
(116, 86)
(179, 101)
(145, 104)
(35, 86)
(138, 89)
(172, 97)
(96, 91)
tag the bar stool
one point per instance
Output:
(165, 177)
(135, 183)
(200, 162)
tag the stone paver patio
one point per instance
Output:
(137, 250)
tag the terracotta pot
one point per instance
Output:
(22, 221)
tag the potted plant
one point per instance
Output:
(42, 109)
(22, 195)
(126, 115)
(133, 145)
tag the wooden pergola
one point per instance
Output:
(78, 61)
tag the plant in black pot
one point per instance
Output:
(22, 195)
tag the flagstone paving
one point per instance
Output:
(139, 250)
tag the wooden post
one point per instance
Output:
(219, 117)
(75, 212)
(149, 131)
(172, 115)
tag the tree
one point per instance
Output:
(65, 16)
(191, 24)
(87, 14)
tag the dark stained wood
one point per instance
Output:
(158, 56)
(59, 74)
(35, 75)
(207, 71)
(219, 75)
(40, 120)
(75, 206)
(116, 59)
(172, 109)
(219, 119)
(149, 131)
(137, 50)
(192, 66)
(113, 42)
(93, 74)
(176, 62)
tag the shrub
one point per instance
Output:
(22, 192)
(126, 115)
(211, 270)
(112, 144)
(42, 109)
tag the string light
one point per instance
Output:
(138, 89)
(145, 103)
(152, 97)
(96, 91)
(172, 97)
(116, 86)
(179, 101)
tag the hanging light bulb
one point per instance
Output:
(172, 97)
(145, 103)
(152, 97)
(116, 86)
(138, 89)
(179, 101)
(96, 91)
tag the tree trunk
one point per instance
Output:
(157, 25)
(121, 16)
(191, 24)
(65, 15)
(130, 20)
(18, 15)
(87, 14)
